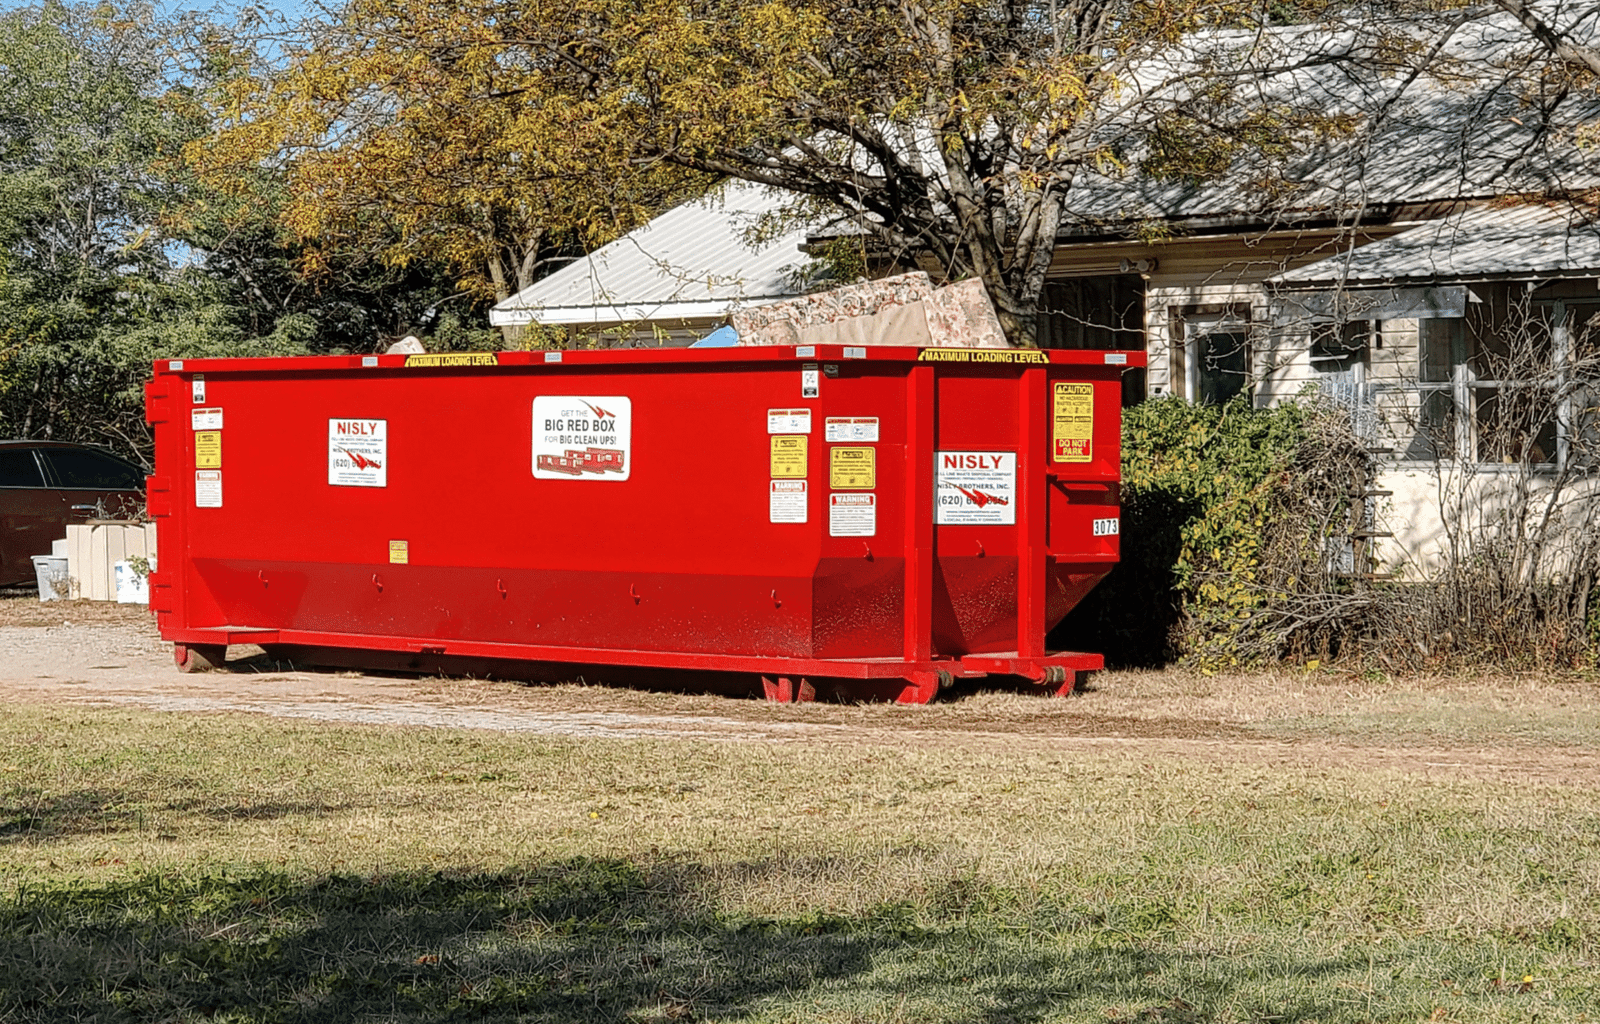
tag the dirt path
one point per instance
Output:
(1527, 729)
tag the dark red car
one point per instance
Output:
(44, 485)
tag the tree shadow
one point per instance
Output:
(575, 940)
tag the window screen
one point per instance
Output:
(78, 470)
(18, 469)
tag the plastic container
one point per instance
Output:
(879, 520)
(51, 572)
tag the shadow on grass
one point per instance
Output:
(581, 940)
(34, 817)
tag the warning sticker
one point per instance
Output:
(789, 456)
(208, 488)
(197, 388)
(852, 515)
(852, 428)
(975, 488)
(399, 552)
(788, 421)
(358, 453)
(786, 502)
(852, 469)
(1074, 422)
(582, 437)
(810, 380)
(206, 419)
(208, 449)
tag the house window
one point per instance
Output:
(1216, 354)
(1344, 348)
(1520, 394)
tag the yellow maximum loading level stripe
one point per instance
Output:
(454, 359)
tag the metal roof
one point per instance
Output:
(1467, 126)
(695, 261)
(1529, 241)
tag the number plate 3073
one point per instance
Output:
(1107, 527)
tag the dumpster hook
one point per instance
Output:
(501, 586)
(633, 592)
(775, 602)
(868, 555)
(377, 582)
(261, 574)
(981, 552)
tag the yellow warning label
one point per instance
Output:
(208, 449)
(453, 359)
(852, 469)
(1074, 422)
(981, 355)
(399, 552)
(788, 456)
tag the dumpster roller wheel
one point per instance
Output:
(199, 657)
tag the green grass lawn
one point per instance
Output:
(229, 868)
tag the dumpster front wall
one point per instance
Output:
(721, 505)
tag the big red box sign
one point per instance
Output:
(582, 437)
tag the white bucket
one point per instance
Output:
(51, 572)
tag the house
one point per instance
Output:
(1421, 274)
(674, 279)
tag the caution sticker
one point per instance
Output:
(358, 453)
(208, 449)
(208, 488)
(852, 515)
(786, 502)
(789, 455)
(206, 419)
(399, 552)
(851, 469)
(788, 421)
(975, 488)
(1074, 422)
(847, 429)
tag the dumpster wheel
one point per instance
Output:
(199, 657)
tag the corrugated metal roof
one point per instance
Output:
(1464, 128)
(1485, 242)
(694, 261)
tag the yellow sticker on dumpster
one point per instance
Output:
(852, 469)
(399, 552)
(208, 449)
(1074, 422)
(788, 456)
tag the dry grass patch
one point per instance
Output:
(231, 868)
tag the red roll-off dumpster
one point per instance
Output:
(890, 517)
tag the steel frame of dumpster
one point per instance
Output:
(920, 673)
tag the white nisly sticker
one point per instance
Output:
(855, 353)
(852, 515)
(208, 488)
(1107, 527)
(369, 361)
(197, 387)
(1116, 358)
(805, 351)
(788, 421)
(206, 419)
(552, 357)
(176, 364)
(847, 429)
(786, 502)
(358, 453)
(582, 438)
(975, 488)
